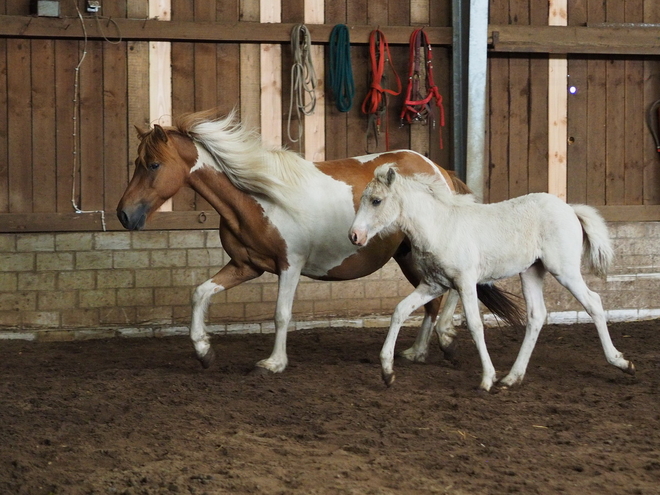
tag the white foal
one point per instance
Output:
(458, 243)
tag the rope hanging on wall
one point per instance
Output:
(375, 103)
(341, 72)
(417, 108)
(303, 78)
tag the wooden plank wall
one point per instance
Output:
(611, 157)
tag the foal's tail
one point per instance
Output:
(501, 304)
(597, 244)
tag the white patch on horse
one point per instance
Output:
(204, 158)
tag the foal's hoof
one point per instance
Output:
(630, 370)
(388, 378)
(451, 352)
(207, 359)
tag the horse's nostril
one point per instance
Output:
(123, 218)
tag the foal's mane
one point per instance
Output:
(240, 154)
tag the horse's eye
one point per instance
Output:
(376, 202)
(153, 166)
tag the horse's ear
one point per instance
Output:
(140, 132)
(160, 133)
(391, 175)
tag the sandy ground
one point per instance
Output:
(140, 416)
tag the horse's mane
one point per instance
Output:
(241, 155)
(428, 184)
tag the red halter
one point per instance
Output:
(375, 103)
(417, 107)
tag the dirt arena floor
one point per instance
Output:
(140, 416)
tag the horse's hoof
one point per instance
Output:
(630, 370)
(207, 359)
(388, 378)
(451, 352)
(260, 371)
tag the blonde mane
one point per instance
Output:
(241, 155)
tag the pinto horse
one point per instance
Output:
(457, 243)
(281, 214)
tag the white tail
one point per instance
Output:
(597, 244)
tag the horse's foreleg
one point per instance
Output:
(420, 296)
(592, 304)
(468, 293)
(229, 276)
(420, 349)
(287, 283)
(532, 287)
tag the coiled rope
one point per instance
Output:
(303, 78)
(341, 72)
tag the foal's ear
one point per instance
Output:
(391, 175)
(160, 133)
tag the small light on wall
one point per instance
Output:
(572, 90)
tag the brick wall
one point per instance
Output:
(85, 285)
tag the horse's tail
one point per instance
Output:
(597, 245)
(501, 304)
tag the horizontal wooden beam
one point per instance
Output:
(611, 40)
(13, 223)
(154, 30)
(601, 39)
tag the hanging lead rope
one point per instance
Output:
(417, 107)
(375, 103)
(303, 78)
(653, 121)
(341, 72)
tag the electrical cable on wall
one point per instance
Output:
(303, 78)
(76, 169)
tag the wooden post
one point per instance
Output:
(557, 107)
(160, 76)
(271, 79)
(314, 126)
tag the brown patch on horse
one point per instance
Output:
(246, 234)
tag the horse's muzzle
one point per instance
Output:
(133, 218)
(357, 238)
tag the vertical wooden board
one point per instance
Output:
(443, 79)
(4, 156)
(336, 122)
(315, 123)
(615, 135)
(537, 156)
(250, 85)
(115, 118)
(401, 137)
(498, 166)
(519, 81)
(292, 12)
(596, 114)
(205, 76)
(419, 15)
(377, 13)
(355, 130)
(271, 78)
(43, 126)
(91, 128)
(634, 122)
(19, 121)
(577, 132)
(228, 77)
(66, 58)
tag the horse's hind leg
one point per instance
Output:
(229, 276)
(420, 349)
(532, 287)
(592, 304)
(445, 326)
